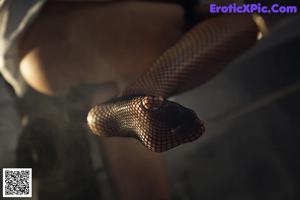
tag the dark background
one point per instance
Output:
(251, 149)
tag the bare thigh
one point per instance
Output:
(74, 43)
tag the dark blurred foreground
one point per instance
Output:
(251, 150)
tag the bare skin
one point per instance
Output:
(77, 43)
(74, 43)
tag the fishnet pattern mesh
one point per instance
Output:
(200, 53)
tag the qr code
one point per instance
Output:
(17, 182)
